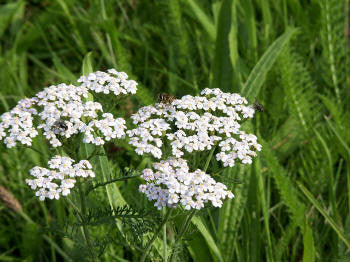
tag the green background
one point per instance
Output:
(292, 204)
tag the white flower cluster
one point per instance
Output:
(63, 111)
(113, 81)
(197, 123)
(244, 150)
(17, 125)
(59, 179)
(109, 127)
(172, 184)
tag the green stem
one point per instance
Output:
(85, 229)
(32, 148)
(193, 212)
(159, 229)
(74, 207)
(93, 153)
(209, 159)
(218, 171)
(185, 225)
(47, 221)
(182, 232)
(109, 182)
(164, 243)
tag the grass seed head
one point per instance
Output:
(9, 200)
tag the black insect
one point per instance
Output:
(258, 107)
(60, 126)
(165, 98)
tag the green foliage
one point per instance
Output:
(256, 78)
(224, 74)
(334, 43)
(292, 204)
(300, 91)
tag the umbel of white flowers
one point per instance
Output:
(189, 124)
(62, 111)
(60, 178)
(172, 184)
(197, 123)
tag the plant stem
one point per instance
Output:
(93, 153)
(209, 158)
(182, 231)
(109, 182)
(193, 212)
(74, 207)
(85, 229)
(164, 243)
(185, 225)
(159, 229)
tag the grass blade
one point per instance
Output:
(256, 78)
(207, 236)
(225, 50)
(330, 220)
(232, 212)
(341, 140)
(206, 22)
(87, 64)
(264, 207)
(309, 248)
(6, 13)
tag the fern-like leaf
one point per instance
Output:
(300, 92)
(335, 51)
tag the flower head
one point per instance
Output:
(110, 82)
(197, 123)
(62, 111)
(59, 179)
(172, 184)
(17, 124)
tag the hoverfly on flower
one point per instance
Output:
(165, 98)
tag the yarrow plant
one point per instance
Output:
(173, 132)
(67, 115)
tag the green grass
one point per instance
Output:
(292, 204)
